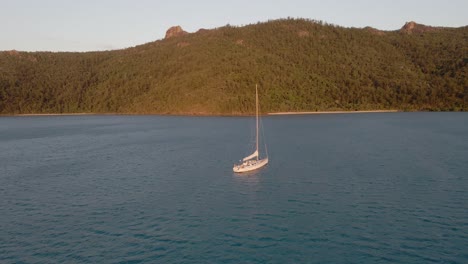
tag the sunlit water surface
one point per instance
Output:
(375, 188)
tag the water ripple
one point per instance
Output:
(348, 189)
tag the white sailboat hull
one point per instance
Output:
(250, 165)
(251, 162)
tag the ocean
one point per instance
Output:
(340, 188)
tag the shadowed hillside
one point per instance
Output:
(299, 65)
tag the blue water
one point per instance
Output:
(361, 188)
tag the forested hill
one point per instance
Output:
(299, 65)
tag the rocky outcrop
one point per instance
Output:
(175, 32)
(413, 27)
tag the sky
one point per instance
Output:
(91, 25)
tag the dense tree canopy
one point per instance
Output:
(299, 65)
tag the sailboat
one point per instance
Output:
(253, 161)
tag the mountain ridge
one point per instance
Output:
(177, 30)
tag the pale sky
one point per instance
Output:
(85, 25)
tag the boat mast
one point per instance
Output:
(256, 105)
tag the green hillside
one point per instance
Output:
(299, 65)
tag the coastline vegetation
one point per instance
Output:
(299, 65)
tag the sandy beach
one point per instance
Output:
(332, 112)
(208, 114)
(53, 114)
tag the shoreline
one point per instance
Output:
(334, 112)
(54, 114)
(201, 114)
